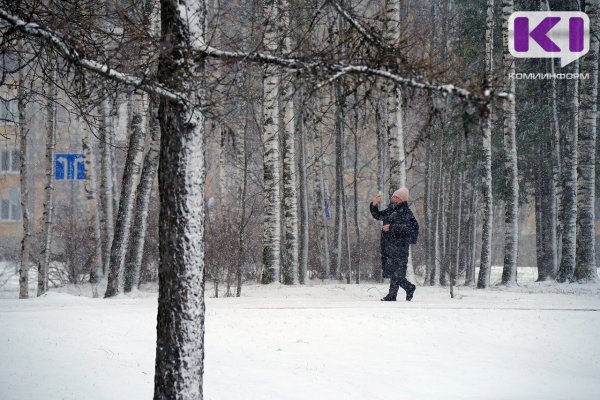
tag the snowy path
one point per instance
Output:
(319, 342)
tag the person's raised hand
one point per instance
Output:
(386, 228)
(376, 199)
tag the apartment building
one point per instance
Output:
(10, 192)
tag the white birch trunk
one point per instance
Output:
(428, 213)
(382, 153)
(557, 162)
(26, 239)
(49, 187)
(394, 106)
(131, 173)
(459, 206)
(355, 216)
(321, 194)
(443, 271)
(133, 261)
(549, 218)
(396, 141)
(585, 268)
(242, 156)
(397, 155)
(326, 230)
(438, 228)
(180, 327)
(511, 233)
(347, 231)
(450, 226)
(485, 264)
(569, 196)
(92, 201)
(222, 221)
(106, 187)
(290, 182)
(540, 232)
(340, 194)
(270, 137)
(395, 118)
(113, 163)
(470, 272)
(304, 211)
(133, 265)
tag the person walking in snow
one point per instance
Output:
(400, 229)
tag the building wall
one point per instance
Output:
(68, 141)
(10, 220)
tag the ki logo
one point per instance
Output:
(549, 34)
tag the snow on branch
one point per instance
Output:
(330, 80)
(72, 55)
(337, 69)
(313, 67)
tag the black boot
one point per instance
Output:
(389, 298)
(410, 293)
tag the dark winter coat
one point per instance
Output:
(404, 229)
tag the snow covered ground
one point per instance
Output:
(335, 341)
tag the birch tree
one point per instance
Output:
(545, 211)
(355, 185)
(272, 216)
(23, 170)
(552, 197)
(133, 264)
(340, 193)
(45, 248)
(470, 272)
(382, 154)
(92, 203)
(585, 268)
(428, 213)
(569, 192)
(485, 266)
(458, 234)
(106, 186)
(304, 211)
(511, 226)
(180, 328)
(131, 173)
(394, 106)
(290, 181)
(439, 229)
(321, 192)
(339, 97)
(242, 157)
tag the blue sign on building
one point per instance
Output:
(69, 167)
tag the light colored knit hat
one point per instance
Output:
(402, 194)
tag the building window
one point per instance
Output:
(9, 111)
(4, 209)
(10, 209)
(4, 160)
(10, 160)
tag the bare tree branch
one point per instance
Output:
(296, 64)
(319, 67)
(377, 41)
(72, 55)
